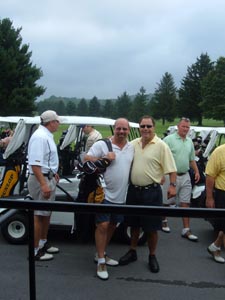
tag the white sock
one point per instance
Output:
(214, 247)
(185, 230)
(101, 260)
(42, 242)
(36, 250)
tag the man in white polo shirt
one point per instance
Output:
(116, 179)
(43, 167)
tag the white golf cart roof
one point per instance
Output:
(76, 120)
(26, 125)
(198, 129)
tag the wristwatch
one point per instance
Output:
(173, 184)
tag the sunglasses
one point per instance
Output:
(185, 119)
(147, 126)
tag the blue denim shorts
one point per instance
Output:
(112, 218)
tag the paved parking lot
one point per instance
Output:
(187, 271)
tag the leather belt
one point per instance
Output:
(146, 187)
(181, 174)
(50, 175)
(44, 174)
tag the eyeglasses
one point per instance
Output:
(148, 126)
(121, 128)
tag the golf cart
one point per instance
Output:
(14, 174)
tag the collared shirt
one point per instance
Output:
(216, 167)
(182, 149)
(42, 151)
(116, 176)
(92, 138)
(151, 162)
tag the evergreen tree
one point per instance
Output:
(123, 106)
(94, 107)
(71, 108)
(163, 104)
(138, 108)
(213, 92)
(107, 110)
(190, 95)
(60, 108)
(18, 88)
(82, 108)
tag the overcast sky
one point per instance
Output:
(102, 48)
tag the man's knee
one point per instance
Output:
(102, 227)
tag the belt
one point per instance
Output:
(44, 174)
(181, 174)
(146, 187)
(50, 175)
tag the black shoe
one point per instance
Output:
(130, 256)
(153, 264)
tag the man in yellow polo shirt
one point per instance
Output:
(215, 197)
(152, 159)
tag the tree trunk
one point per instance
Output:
(200, 120)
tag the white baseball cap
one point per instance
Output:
(48, 116)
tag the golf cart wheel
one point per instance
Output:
(142, 236)
(15, 229)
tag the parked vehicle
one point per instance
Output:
(14, 173)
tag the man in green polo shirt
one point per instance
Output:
(183, 152)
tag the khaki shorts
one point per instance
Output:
(183, 190)
(36, 194)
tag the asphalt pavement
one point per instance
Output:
(187, 271)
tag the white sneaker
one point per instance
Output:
(215, 252)
(109, 261)
(42, 256)
(102, 272)
(190, 236)
(50, 249)
(165, 226)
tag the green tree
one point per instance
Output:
(60, 108)
(138, 108)
(190, 95)
(163, 104)
(94, 107)
(213, 92)
(18, 88)
(107, 109)
(71, 108)
(123, 106)
(82, 108)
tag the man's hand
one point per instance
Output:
(46, 191)
(171, 192)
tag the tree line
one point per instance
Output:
(200, 95)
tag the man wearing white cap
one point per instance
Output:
(43, 166)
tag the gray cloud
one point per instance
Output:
(104, 48)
